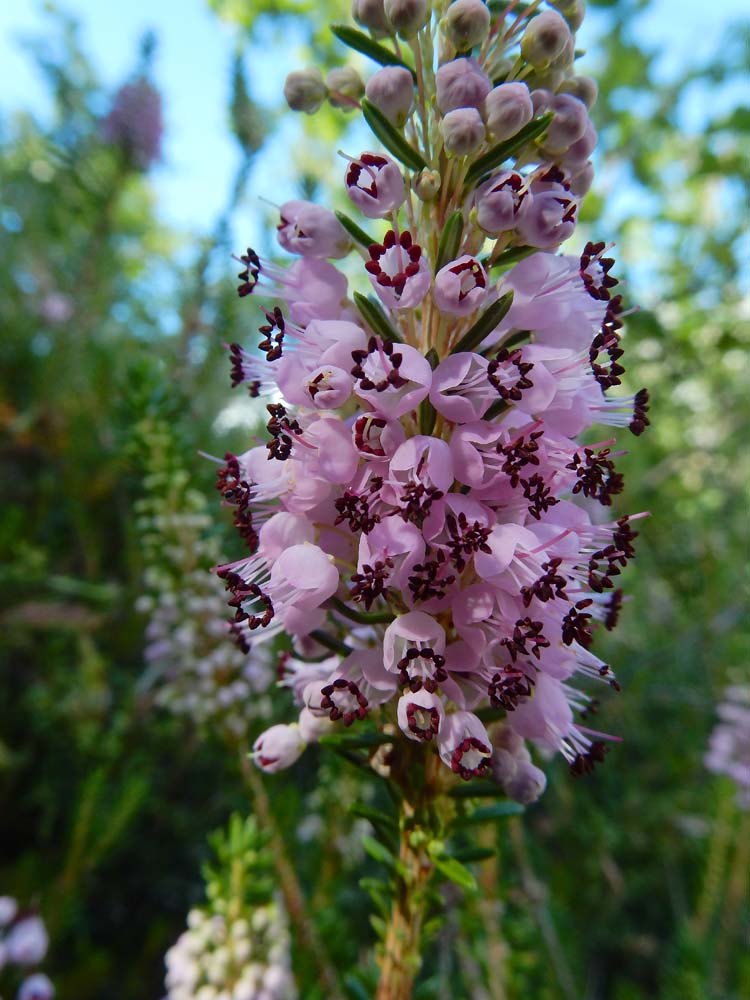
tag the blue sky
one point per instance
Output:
(192, 70)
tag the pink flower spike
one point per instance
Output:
(461, 287)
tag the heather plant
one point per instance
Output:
(23, 946)
(422, 523)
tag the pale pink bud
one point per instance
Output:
(461, 287)
(305, 90)
(8, 910)
(466, 24)
(392, 90)
(461, 84)
(582, 87)
(375, 185)
(278, 748)
(371, 14)
(36, 987)
(508, 108)
(545, 38)
(420, 714)
(526, 784)
(569, 121)
(344, 82)
(407, 16)
(27, 941)
(463, 131)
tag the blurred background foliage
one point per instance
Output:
(628, 885)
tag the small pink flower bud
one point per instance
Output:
(461, 286)
(466, 24)
(8, 910)
(27, 942)
(573, 11)
(426, 184)
(581, 182)
(463, 131)
(344, 81)
(461, 84)
(375, 185)
(312, 231)
(526, 784)
(568, 125)
(420, 715)
(371, 14)
(392, 90)
(508, 108)
(545, 38)
(305, 90)
(36, 987)
(407, 16)
(278, 748)
(582, 87)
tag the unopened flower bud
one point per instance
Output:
(545, 38)
(305, 90)
(27, 942)
(466, 24)
(461, 84)
(8, 910)
(344, 81)
(36, 987)
(392, 90)
(582, 87)
(407, 16)
(508, 108)
(573, 11)
(580, 182)
(371, 14)
(568, 125)
(278, 748)
(463, 131)
(426, 184)
(527, 783)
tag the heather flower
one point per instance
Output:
(729, 747)
(424, 538)
(36, 987)
(237, 945)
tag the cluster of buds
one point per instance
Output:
(423, 522)
(729, 747)
(192, 668)
(24, 943)
(237, 946)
